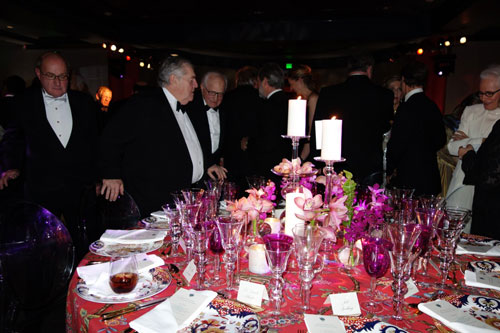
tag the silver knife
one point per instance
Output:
(131, 308)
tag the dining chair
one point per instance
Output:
(37, 259)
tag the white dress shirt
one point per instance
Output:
(214, 125)
(59, 116)
(272, 93)
(190, 137)
(413, 92)
(477, 123)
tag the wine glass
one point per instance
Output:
(307, 242)
(376, 260)
(229, 229)
(201, 236)
(215, 246)
(278, 248)
(403, 237)
(123, 275)
(175, 229)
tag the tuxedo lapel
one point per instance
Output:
(41, 122)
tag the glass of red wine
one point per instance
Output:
(123, 275)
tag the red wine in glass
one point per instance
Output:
(123, 282)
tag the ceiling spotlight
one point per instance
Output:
(121, 50)
(420, 51)
(440, 73)
(149, 66)
(10, 27)
(463, 40)
(141, 63)
(447, 43)
(104, 45)
(113, 47)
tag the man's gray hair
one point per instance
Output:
(172, 65)
(274, 75)
(491, 71)
(207, 76)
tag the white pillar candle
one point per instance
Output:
(274, 223)
(291, 220)
(257, 262)
(319, 132)
(331, 142)
(296, 117)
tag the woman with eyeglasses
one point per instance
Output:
(475, 125)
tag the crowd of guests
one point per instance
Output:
(59, 142)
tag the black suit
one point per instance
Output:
(54, 176)
(417, 134)
(197, 111)
(143, 145)
(366, 110)
(270, 148)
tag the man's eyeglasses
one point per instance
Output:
(52, 76)
(214, 93)
(487, 93)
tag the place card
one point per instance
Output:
(345, 304)
(453, 317)
(412, 288)
(187, 304)
(252, 293)
(189, 271)
(323, 324)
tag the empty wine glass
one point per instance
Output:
(229, 229)
(278, 248)
(201, 236)
(403, 237)
(376, 260)
(307, 241)
(123, 275)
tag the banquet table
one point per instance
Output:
(84, 316)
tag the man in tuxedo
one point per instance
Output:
(417, 134)
(270, 148)
(53, 141)
(209, 120)
(150, 147)
(365, 110)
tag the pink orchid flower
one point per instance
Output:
(311, 207)
(338, 211)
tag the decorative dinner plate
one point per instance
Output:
(223, 315)
(122, 250)
(486, 309)
(485, 266)
(153, 223)
(478, 240)
(150, 283)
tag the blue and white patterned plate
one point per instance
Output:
(486, 309)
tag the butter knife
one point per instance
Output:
(131, 308)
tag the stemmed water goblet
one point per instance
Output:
(201, 234)
(175, 229)
(278, 248)
(215, 246)
(307, 240)
(376, 260)
(229, 229)
(403, 237)
(214, 190)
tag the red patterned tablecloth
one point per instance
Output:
(83, 316)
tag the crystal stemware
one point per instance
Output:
(189, 218)
(201, 235)
(215, 246)
(376, 260)
(175, 229)
(278, 248)
(403, 237)
(229, 231)
(307, 241)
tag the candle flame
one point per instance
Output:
(334, 117)
(300, 97)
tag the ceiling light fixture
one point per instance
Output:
(104, 45)
(463, 40)
(420, 51)
(121, 50)
(113, 47)
(141, 64)
(447, 43)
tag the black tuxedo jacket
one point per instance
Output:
(417, 134)
(366, 110)
(198, 115)
(143, 145)
(270, 148)
(54, 175)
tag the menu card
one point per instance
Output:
(175, 313)
(454, 318)
(482, 280)
(323, 324)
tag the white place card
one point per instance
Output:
(345, 304)
(187, 304)
(453, 317)
(412, 288)
(182, 244)
(323, 324)
(251, 293)
(189, 271)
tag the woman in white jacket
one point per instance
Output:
(475, 125)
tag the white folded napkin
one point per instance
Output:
(138, 236)
(482, 280)
(91, 273)
(159, 215)
(454, 318)
(175, 313)
(483, 250)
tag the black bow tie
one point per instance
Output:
(181, 107)
(208, 108)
